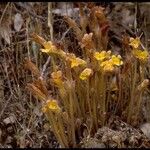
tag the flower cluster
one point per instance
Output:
(107, 61)
(100, 56)
(86, 88)
(142, 55)
(75, 62)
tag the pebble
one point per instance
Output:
(9, 120)
(146, 129)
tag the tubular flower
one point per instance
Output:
(75, 62)
(57, 78)
(102, 55)
(141, 55)
(50, 48)
(85, 74)
(135, 43)
(116, 60)
(107, 66)
(51, 105)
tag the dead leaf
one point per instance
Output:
(5, 32)
(18, 22)
(146, 129)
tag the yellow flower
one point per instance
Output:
(57, 78)
(50, 48)
(85, 74)
(75, 62)
(135, 43)
(48, 45)
(141, 55)
(51, 105)
(102, 55)
(107, 66)
(116, 60)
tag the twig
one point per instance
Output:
(64, 34)
(45, 66)
(135, 20)
(27, 34)
(4, 107)
(4, 12)
(50, 21)
(23, 128)
(50, 25)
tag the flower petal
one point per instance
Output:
(85, 74)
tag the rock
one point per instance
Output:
(37, 112)
(9, 140)
(118, 134)
(92, 143)
(10, 130)
(146, 129)
(9, 120)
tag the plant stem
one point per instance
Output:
(88, 99)
(62, 131)
(55, 129)
(72, 118)
(95, 102)
(102, 96)
(131, 104)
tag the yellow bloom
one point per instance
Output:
(50, 48)
(116, 60)
(57, 78)
(51, 105)
(85, 74)
(75, 62)
(141, 55)
(135, 43)
(102, 55)
(48, 45)
(107, 66)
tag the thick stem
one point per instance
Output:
(102, 97)
(72, 121)
(55, 129)
(133, 86)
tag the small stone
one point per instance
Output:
(99, 145)
(146, 129)
(9, 120)
(9, 140)
(92, 143)
(10, 130)
(37, 112)
(9, 146)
